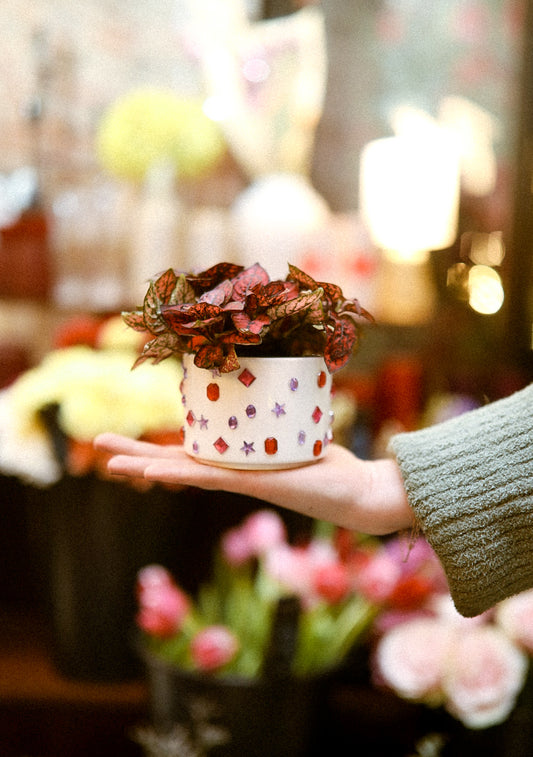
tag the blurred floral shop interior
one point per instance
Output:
(382, 145)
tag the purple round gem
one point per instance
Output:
(195, 447)
(301, 437)
(233, 422)
(293, 384)
(251, 411)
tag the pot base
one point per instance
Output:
(253, 466)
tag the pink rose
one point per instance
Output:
(162, 605)
(515, 616)
(213, 648)
(486, 672)
(411, 658)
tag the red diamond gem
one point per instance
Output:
(246, 377)
(220, 445)
(317, 414)
(190, 418)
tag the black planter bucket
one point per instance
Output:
(256, 718)
(89, 538)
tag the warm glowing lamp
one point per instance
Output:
(409, 194)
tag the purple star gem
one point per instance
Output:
(278, 410)
(203, 422)
(247, 447)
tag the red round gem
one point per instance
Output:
(213, 392)
(321, 379)
(271, 445)
(317, 448)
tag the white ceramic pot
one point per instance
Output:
(270, 413)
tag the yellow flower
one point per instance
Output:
(97, 391)
(151, 126)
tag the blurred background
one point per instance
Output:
(385, 145)
(279, 107)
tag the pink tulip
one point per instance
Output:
(259, 532)
(289, 566)
(163, 606)
(213, 648)
(264, 529)
(331, 582)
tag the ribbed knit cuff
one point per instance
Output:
(469, 481)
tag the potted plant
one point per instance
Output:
(238, 666)
(258, 356)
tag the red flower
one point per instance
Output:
(331, 582)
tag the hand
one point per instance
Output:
(365, 496)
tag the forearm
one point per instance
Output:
(470, 483)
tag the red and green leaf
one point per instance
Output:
(134, 319)
(161, 348)
(340, 343)
(304, 301)
(183, 292)
(220, 356)
(302, 279)
(153, 320)
(248, 279)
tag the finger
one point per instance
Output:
(128, 465)
(116, 444)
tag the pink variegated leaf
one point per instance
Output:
(245, 281)
(212, 276)
(353, 306)
(219, 295)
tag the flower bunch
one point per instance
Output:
(152, 127)
(228, 628)
(226, 310)
(473, 667)
(51, 413)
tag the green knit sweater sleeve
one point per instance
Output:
(469, 481)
